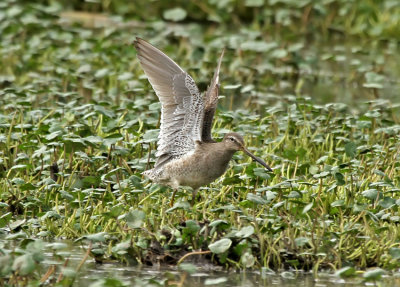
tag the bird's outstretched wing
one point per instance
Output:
(211, 101)
(182, 107)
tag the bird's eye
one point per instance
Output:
(232, 139)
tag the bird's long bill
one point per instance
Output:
(257, 159)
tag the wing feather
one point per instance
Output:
(182, 107)
(211, 101)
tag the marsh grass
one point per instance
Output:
(79, 123)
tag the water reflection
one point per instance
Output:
(207, 275)
(146, 276)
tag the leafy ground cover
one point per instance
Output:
(79, 123)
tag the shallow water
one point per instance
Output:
(69, 260)
(207, 275)
(144, 276)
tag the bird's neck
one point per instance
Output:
(218, 152)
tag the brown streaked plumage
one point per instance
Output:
(186, 155)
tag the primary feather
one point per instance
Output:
(182, 107)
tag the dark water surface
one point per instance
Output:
(93, 274)
(144, 276)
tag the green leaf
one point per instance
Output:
(294, 194)
(373, 274)
(134, 219)
(258, 46)
(57, 245)
(290, 154)
(374, 80)
(175, 14)
(116, 210)
(74, 144)
(313, 169)
(255, 198)
(27, 186)
(338, 203)
(339, 179)
(122, 247)
(220, 246)
(359, 207)
(370, 194)
(217, 222)
(102, 73)
(308, 207)
(125, 76)
(182, 204)
(16, 224)
(188, 267)
(66, 195)
(321, 174)
(68, 272)
(345, 271)
(5, 218)
(97, 237)
(24, 264)
(191, 227)
(322, 159)
(261, 172)
(215, 281)
(279, 53)
(247, 260)
(301, 241)
(254, 3)
(387, 202)
(232, 87)
(84, 69)
(245, 231)
(155, 106)
(107, 282)
(51, 214)
(151, 136)
(241, 247)
(91, 181)
(350, 149)
(394, 252)
(19, 166)
(112, 139)
(288, 275)
(102, 110)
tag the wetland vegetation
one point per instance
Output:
(313, 87)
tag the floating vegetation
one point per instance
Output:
(79, 123)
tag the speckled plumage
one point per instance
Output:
(186, 154)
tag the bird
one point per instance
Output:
(187, 155)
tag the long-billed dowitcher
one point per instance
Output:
(186, 155)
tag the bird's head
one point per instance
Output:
(235, 142)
